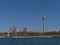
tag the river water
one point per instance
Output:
(29, 41)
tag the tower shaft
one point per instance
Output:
(43, 23)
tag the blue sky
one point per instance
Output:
(21, 13)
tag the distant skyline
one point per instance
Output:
(28, 13)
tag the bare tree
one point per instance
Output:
(13, 31)
(24, 29)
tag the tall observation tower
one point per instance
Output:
(43, 23)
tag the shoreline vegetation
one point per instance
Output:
(24, 34)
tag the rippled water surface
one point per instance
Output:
(29, 41)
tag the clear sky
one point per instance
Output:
(21, 13)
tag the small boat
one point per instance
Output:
(7, 36)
